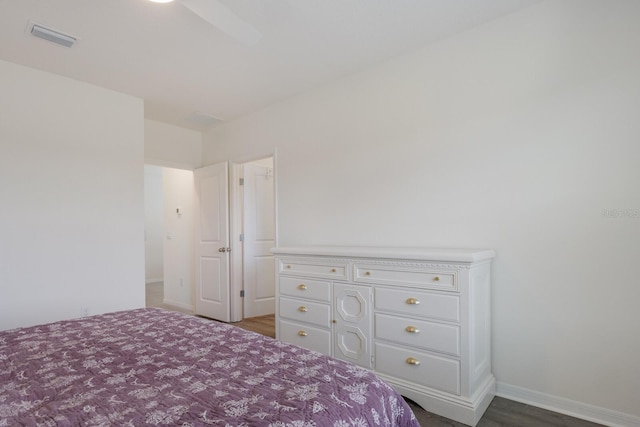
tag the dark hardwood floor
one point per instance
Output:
(501, 413)
(264, 325)
(505, 413)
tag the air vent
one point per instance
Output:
(52, 35)
(203, 119)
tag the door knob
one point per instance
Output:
(224, 250)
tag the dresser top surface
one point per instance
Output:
(422, 254)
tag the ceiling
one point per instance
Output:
(181, 65)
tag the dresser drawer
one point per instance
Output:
(418, 333)
(422, 368)
(305, 336)
(410, 302)
(313, 269)
(306, 311)
(306, 288)
(391, 274)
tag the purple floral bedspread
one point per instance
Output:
(152, 366)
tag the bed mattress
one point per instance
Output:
(156, 367)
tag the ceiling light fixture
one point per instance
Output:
(52, 35)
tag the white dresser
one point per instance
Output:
(418, 317)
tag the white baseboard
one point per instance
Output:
(566, 406)
(178, 304)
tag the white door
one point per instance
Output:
(212, 242)
(259, 238)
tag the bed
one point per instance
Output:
(157, 367)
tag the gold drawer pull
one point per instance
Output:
(302, 309)
(333, 270)
(412, 301)
(288, 266)
(412, 330)
(436, 279)
(413, 361)
(302, 333)
(302, 287)
(367, 273)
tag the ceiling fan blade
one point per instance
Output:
(218, 15)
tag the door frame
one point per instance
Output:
(236, 214)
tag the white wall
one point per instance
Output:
(513, 136)
(178, 191)
(172, 146)
(71, 186)
(153, 224)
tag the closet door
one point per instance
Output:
(352, 323)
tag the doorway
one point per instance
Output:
(153, 236)
(258, 237)
(153, 224)
(169, 238)
(235, 228)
